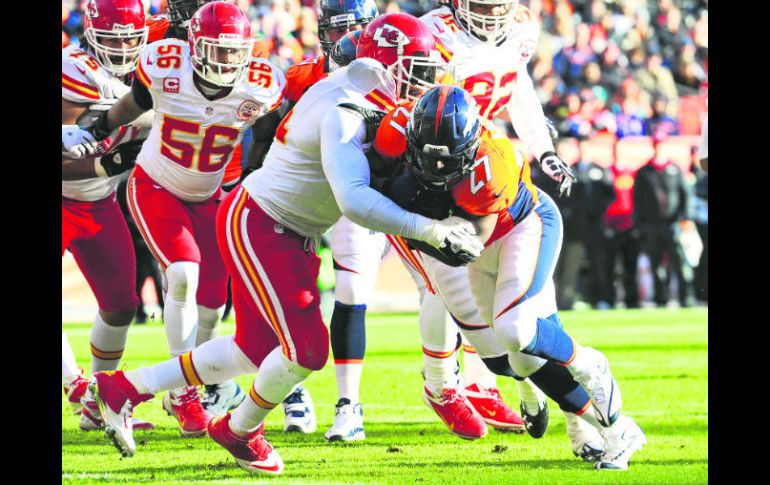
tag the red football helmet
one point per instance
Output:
(116, 31)
(405, 46)
(220, 43)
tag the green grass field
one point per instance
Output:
(659, 357)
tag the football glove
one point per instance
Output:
(77, 143)
(121, 159)
(455, 235)
(555, 168)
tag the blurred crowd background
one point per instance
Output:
(625, 83)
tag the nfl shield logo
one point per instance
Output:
(209, 110)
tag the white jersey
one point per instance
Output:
(192, 137)
(292, 187)
(496, 75)
(84, 81)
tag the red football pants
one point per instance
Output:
(176, 230)
(97, 236)
(274, 275)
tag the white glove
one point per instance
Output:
(455, 234)
(555, 168)
(76, 142)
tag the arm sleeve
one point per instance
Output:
(527, 116)
(347, 171)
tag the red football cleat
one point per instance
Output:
(185, 405)
(254, 454)
(454, 409)
(493, 410)
(75, 390)
(116, 397)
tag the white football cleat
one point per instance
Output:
(218, 399)
(598, 382)
(300, 414)
(623, 439)
(586, 441)
(348, 422)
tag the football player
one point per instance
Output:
(480, 178)
(217, 399)
(452, 286)
(93, 228)
(205, 93)
(339, 27)
(315, 171)
(488, 44)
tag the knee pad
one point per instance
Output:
(557, 383)
(182, 281)
(348, 331)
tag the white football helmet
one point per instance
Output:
(485, 26)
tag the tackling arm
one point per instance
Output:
(347, 171)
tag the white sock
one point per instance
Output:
(180, 314)
(530, 396)
(69, 368)
(214, 362)
(438, 333)
(107, 344)
(349, 381)
(208, 323)
(474, 369)
(440, 372)
(277, 377)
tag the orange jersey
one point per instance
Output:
(157, 25)
(500, 181)
(493, 184)
(303, 75)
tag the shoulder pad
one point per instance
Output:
(265, 83)
(162, 59)
(79, 80)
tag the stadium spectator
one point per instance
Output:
(569, 61)
(584, 238)
(660, 124)
(622, 238)
(657, 79)
(662, 210)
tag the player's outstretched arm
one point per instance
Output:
(347, 170)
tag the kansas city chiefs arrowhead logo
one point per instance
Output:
(93, 11)
(389, 36)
